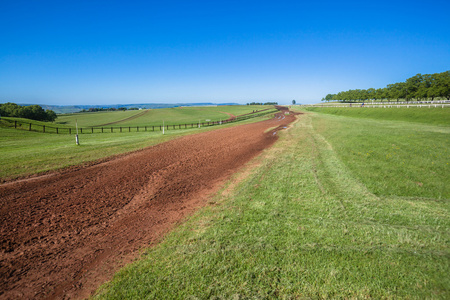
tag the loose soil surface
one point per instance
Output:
(64, 234)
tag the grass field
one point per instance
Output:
(333, 210)
(27, 152)
(94, 118)
(170, 116)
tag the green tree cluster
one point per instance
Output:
(419, 87)
(33, 112)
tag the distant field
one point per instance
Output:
(94, 118)
(340, 208)
(170, 116)
(435, 116)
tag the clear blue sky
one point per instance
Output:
(110, 52)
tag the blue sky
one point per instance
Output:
(110, 52)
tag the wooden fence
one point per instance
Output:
(19, 124)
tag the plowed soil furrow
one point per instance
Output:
(64, 235)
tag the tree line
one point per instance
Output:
(33, 112)
(419, 87)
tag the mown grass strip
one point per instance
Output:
(302, 225)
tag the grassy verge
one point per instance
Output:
(303, 225)
(434, 116)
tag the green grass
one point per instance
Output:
(94, 118)
(155, 117)
(434, 116)
(305, 224)
(392, 158)
(26, 153)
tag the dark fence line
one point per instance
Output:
(23, 125)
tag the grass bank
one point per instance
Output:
(304, 224)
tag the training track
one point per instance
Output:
(64, 234)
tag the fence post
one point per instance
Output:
(15, 124)
(92, 129)
(70, 130)
(56, 130)
(29, 128)
(81, 130)
(120, 129)
(137, 128)
(129, 129)
(43, 128)
(153, 127)
(111, 129)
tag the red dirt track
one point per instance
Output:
(64, 234)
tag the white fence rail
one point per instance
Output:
(419, 104)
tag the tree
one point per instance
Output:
(293, 102)
(33, 112)
(51, 115)
(371, 94)
(443, 83)
(412, 86)
(381, 94)
(330, 97)
(418, 87)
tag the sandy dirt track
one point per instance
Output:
(64, 234)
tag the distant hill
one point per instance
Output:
(67, 109)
